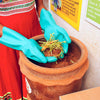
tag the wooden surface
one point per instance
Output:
(89, 94)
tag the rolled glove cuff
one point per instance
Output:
(46, 19)
(12, 39)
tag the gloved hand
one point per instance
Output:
(29, 47)
(49, 26)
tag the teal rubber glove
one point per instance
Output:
(49, 26)
(29, 47)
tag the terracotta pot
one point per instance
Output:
(50, 83)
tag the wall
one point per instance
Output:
(90, 36)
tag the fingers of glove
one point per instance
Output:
(60, 38)
(35, 59)
(49, 31)
(65, 47)
(51, 59)
(41, 57)
(34, 53)
(62, 55)
(35, 43)
(65, 34)
(65, 44)
(38, 58)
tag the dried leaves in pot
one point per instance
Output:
(52, 47)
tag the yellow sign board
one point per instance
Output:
(69, 10)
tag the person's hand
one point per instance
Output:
(32, 50)
(29, 47)
(59, 34)
(49, 26)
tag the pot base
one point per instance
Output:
(40, 98)
(42, 92)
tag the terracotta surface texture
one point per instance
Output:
(50, 83)
(71, 57)
(89, 94)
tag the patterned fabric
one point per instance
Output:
(10, 7)
(6, 96)
(7, 1)
(25, 22)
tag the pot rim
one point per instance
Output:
(81, 61)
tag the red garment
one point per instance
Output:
(11, 85)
